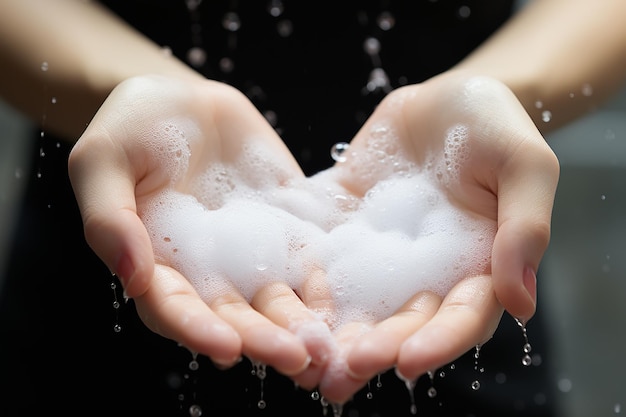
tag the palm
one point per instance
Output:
(156, 141)
(465, 133)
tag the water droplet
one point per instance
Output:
(539, 104)
(476, 385)
(565, 385)
(284, 28)
(116, 304)
(603, 197)
(527, 360)
(117, 328)
(338, 150)
(527, 348)
(432, 392)
(261, 404)
(44, 66)
(194, 365)
(192, 4)
(226, 65)
(315, 395)
(231, 22)
(464, 12)
(337, 409)
(617, 408)
(378, 79)
(53, 100)
(371, 46)
(587, 90)
(276, 8)
(195, 411)
(196, 56)
(546, 116)
(386, 21)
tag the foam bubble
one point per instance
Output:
(247, 223)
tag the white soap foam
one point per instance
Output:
(404, 236)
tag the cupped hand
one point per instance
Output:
(158, 139)
(154, 136)
(489, 159)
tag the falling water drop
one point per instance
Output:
(546, 116)
(475, 385)
(196, 56)
(195, 411)
(284, 28)
(386, 21)
(371, 46)
(379, 382)
(337, 152)
(464, 12)
(231, 22)
(337, 409)
(44, 66)
(276, 8)
(527, 348)
(116, 306)
(260, 370)
(410, 386)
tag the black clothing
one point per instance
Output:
(304, 65)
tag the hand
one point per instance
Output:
(158, 134)
(508, 174)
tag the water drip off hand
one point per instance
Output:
(346, 271)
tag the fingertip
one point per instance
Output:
(361, 362)
(520, 300)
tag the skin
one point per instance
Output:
(111, 172)
(503, 147)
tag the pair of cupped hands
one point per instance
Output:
(510, 177)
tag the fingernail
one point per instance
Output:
(305, 365)
(226, 364)
(530, 283)
(125, 270)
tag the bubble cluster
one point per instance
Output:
(248, 223)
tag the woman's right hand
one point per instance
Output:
(155, 134)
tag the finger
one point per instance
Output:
(377, 350)
(103, 181)
(524, 213)
(279, 303)
(337, 384)
(468, 316)
(263, 341)
(172, 308)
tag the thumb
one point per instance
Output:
(526, 192)
(103, 181)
